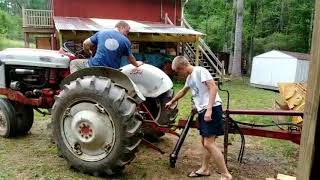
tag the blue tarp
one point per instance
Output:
(153, 59)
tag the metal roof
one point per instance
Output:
(96, 24)
(301, 56)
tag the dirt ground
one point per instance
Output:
(34, 157)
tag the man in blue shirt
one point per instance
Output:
(111, 46)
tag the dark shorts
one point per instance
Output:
(214, 127)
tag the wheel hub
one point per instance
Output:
(90, 128)
(88, 131)
(85, 130)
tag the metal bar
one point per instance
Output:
(182, 123)
(150, 145)
(262, 132)
(265, 112)
(226, 139)
(176, 150)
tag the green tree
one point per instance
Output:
(272, 24)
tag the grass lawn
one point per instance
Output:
(8, 43)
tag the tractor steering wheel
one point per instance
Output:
(80, 54)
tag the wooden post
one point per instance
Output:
(309, 157)
(60, 40)
(26, 40)
(166, 18)
(197, 60)
(23, 17)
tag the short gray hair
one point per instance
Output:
(179, 61)
(122, 24)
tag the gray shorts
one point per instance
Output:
(78, 64)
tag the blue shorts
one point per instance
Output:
(214, 127)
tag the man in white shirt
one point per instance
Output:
(209, 106)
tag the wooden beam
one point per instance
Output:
(134, 37)
(197, 55)
(33, 30)
(26, 40)
(77, 35)
(308, 167)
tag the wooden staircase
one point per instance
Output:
(207, 58)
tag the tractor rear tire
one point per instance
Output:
(25, 118)
(162, 116)
(94, 126)
(8, 121)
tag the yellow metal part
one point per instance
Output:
(134, 37)
(293, 96)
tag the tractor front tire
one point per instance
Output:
(8, 121)
(25, 118)
(161, 115)
(94, 126)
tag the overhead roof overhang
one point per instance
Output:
(80, 28)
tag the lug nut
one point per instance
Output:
(107, 147)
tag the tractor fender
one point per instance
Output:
(151, 81)
(116, 76)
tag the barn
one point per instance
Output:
(158, 29)
(273, 67)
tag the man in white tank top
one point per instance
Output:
(209, 106)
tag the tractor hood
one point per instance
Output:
(34, 57)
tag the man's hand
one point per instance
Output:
(87, 44)
(132, 60)
(139, 63)
(207, 115)
(169, 104)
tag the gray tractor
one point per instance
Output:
(99, 115)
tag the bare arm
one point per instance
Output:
(212, 97)
(180, 94)
(133, 61)
(87, 44)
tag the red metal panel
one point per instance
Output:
(45, 101)
(173, 8)
(274, 134)
(141, 10)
